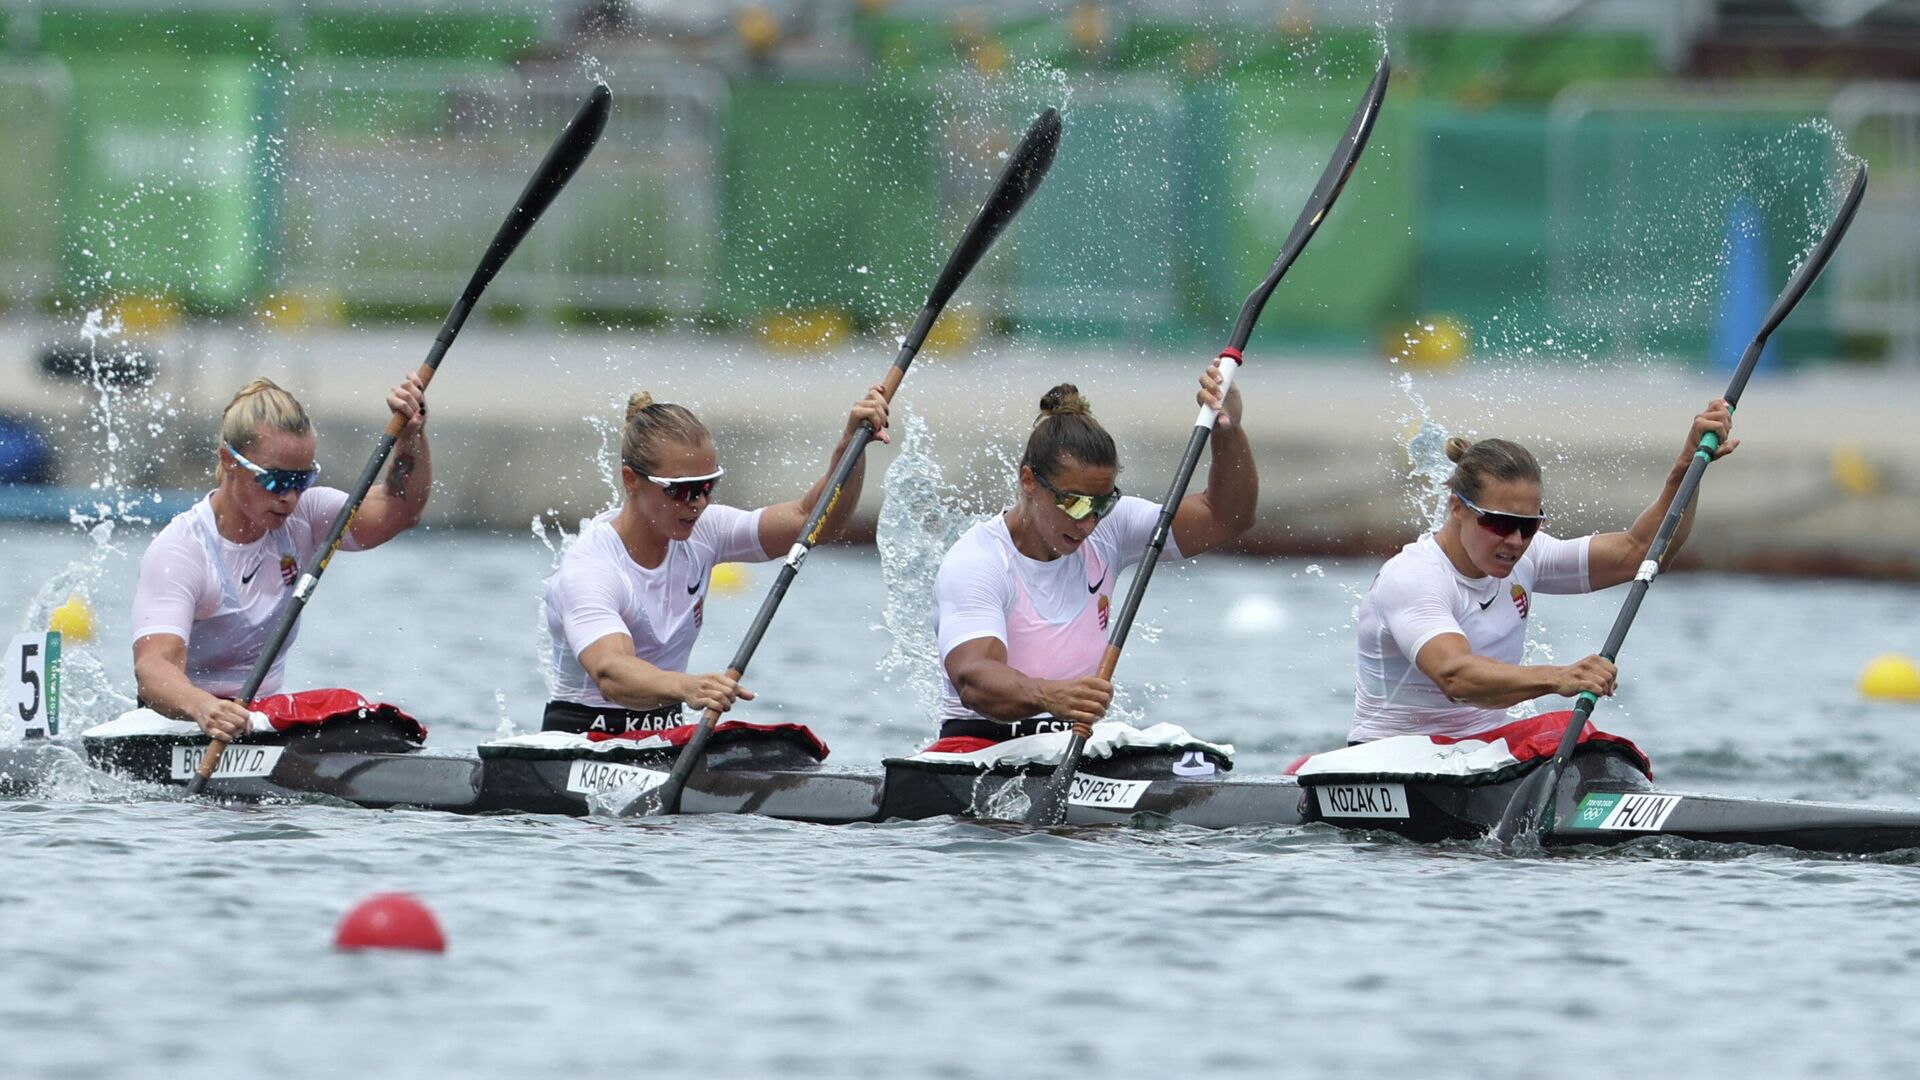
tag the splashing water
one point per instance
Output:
(126, 422)
(920, 519)
(556, 539)
(1427, 464)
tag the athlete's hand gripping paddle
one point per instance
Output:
(1531, 810)
(1026, 168)
(572, 148)
(1050, 808)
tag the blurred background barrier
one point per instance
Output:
(1603, 177)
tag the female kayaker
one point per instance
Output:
(213, 582)
(627, 601)
(1443, 627)
(1022, 601)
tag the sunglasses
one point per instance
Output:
(689, 488)
(1503, 524)
(1080, 507)
(277, 481)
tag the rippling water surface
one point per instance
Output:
(145, 935)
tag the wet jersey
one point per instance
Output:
(1419, 595)
(1052, 615)
(599, 590)
(224, 599)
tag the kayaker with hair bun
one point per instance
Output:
(625, 606)
(213, 582)
(1442, 629)
(1022, 601)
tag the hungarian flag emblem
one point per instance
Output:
(1104, 605)
(1520, 600)
(289, 569)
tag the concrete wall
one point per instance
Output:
(1827, 481)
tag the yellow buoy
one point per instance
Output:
(1890, 677)
(991, 58)
(758, 29)
(73, 619)
(1435, 343)
(727, 579)
(1852, 472)
(1087, 26)
(815, 330)
(292, 311)
(139, 315)
(956, 330)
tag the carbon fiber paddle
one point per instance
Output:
(1531, 808)
(572, 148)
(1051, 807)
(1026, 168)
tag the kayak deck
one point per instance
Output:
(1602, 800)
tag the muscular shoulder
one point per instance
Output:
(976, 563)
(1416, 571)
(175, 555)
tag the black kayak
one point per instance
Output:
(1603, 798)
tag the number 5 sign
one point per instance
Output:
(32, 679)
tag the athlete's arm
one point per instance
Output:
(160, 673)
(1226, 508)
(393, 507)
(625, 679)
(992, 688)
(1615, 557)
(780, 524)
(1490, 684)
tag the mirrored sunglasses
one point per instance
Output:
(689, 488)
(276, 481)
(1077, 506)
(1503, 524)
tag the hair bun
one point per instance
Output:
(1457, 448)
(1064, 400)
(638, 403)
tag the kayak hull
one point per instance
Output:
(1602, 800)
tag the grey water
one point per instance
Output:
(146, 935)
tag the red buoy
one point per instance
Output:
(390, 921)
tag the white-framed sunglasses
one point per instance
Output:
(688, 488)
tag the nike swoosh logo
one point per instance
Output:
(247, 578)
(1095, 587)
(1488, 602)
(695, 587)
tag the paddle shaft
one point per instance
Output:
(1532, 801)
(1027, 167)
(561, 162)
(1050, 808)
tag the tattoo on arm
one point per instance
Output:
(398, 473)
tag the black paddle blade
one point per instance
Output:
(1801, 281)
(1526, 810)
(1026, 167)
(561, 162)
(1339, 169)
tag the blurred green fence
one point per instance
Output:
(223, 181)
(393, 183)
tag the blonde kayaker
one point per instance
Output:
(213, 583)
(1442, 629)
(625, 606)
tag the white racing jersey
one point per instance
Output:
(599, 590)
(1419, 595)
(1052, 615)
(224, 599)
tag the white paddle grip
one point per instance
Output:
(1208, 414)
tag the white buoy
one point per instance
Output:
(1255, 616)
